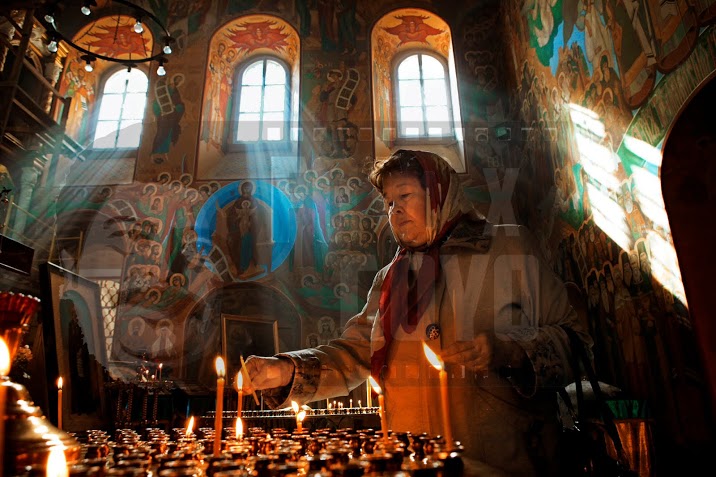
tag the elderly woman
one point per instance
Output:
(479, 295)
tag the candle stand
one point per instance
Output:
(29, 435)
(136, 402)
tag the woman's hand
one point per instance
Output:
(475, 355)
(484, 352)
(268, 373)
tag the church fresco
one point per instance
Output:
(110, 36)
(578, 87)
(247, 229)
(395, 32)
(231, 44)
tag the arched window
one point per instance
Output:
(423, 94)
(121, 110)
(261, 112)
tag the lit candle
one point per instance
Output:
(359, 404)
(294, 406)
(161, 365)
(437, 363)
(190, 427)
(220, 373)
(239, 429)
(299, 420)
(351, 403)
(57, 463)
(59, 402)
(240, 389)
(381, 408)
(4, 371)
(368, 394)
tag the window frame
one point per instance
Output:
(101, 152)
(400, 138)
(231, 144)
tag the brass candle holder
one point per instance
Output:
(29, 435)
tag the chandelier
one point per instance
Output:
(117, 51)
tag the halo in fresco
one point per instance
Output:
(271, 201)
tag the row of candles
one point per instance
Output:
(300, 414)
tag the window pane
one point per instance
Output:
(138, 82)
(275, 74)
(248, 127)
(116, 83)
(274, 98)
(435, 92)
(129, 133)
(104, 134)
(409, 93)
(273, 126)
(253, 74)
(432, 68)
(411, 121)
(250, 99)
(408, 68)
(134, 106)
(437, 113)
(439, 123)
(111, 107)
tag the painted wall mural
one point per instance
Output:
(230, 46)
(590, 185)
(111, 36)
(395, 32)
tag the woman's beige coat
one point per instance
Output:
(493, 279)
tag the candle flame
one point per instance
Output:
(301, 416)
(4, 358)
(57, 463)
(161, 365)
(433, 358)
(374, 384)
(239, 428)
(189, 426)
(220, 369)
(294, 405)
(59, 382)
(239, 381)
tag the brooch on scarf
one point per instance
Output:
(432, 331)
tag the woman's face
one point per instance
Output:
(405, 202)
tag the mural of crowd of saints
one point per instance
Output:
(583, 69)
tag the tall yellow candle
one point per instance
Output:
(299, 420)
(437, 363)
(59, 402)
(368, 395)
(218, 419)
(381, 409)
(240, 389)
(4, 371)
(239, 429)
